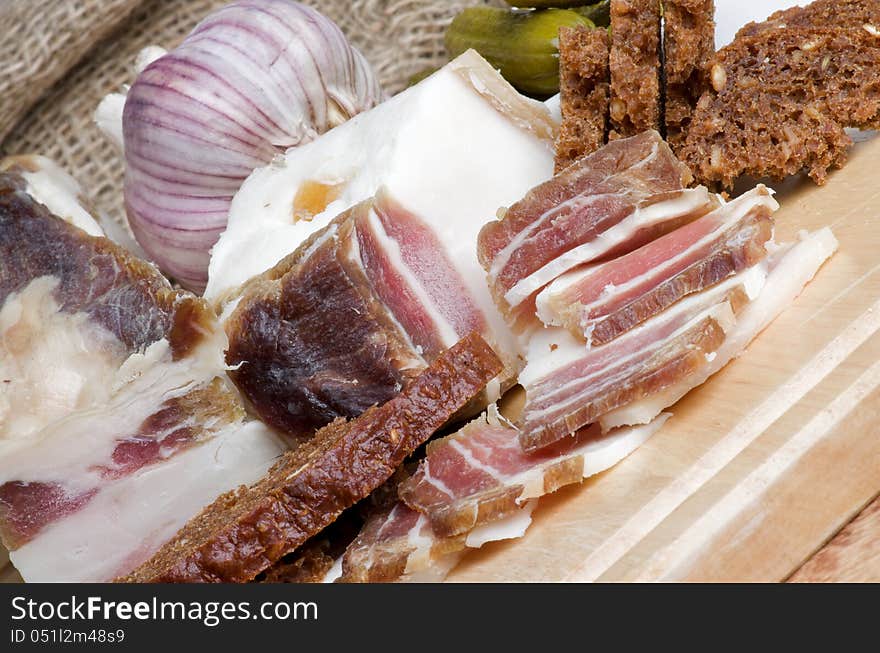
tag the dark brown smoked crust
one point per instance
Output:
(689, 43)
(634, 61)
(125, 295)
(310, 342)
(583, 75)
(247, 530)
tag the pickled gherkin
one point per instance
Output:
(545, 4)
(522, 44)
(599, 12)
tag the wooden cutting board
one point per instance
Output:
(763, 464)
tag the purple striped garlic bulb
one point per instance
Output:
(253, 79)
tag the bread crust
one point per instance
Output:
(634, 62)
(584, 89)
(689, 44)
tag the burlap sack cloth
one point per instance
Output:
(58, 58)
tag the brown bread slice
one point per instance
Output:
(583, 75)
(688, 44)
(822, 13)
(779, 101)
(634, 62)
(247, 530)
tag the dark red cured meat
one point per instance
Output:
(123, 294)
(458, 494)
(427, 263)
(26, 508)
(627, 369)
(481, 473)
(179, 423)
(389, 540)
(310, 341)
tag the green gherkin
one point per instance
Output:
(599, 12)
(522, 44)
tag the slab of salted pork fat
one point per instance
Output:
(117, 423)
(605, 204)
(401, 280)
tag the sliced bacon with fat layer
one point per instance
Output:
(398, 544)
(603, 301)
(608, 203)
(569, 385)
(403, 544)
(481, 473)
(411, 273)
(788, 270)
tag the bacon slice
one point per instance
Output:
(398, 545)
(608, 203)
(569, 385)
(413, 276)
(117, 423)
(601, 302)
(788, 270)
(481, 474)
(475, 486)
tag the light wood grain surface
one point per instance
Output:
(762, 465)
(852, 556)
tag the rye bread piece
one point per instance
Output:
(779, 102)
(583, 80)
(249, 529)
(822, 13)
(688, 45)
(634, 62)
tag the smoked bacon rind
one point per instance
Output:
(310, 341)
(247, 530)
(118, 291)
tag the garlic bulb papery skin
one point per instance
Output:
(252, 80)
